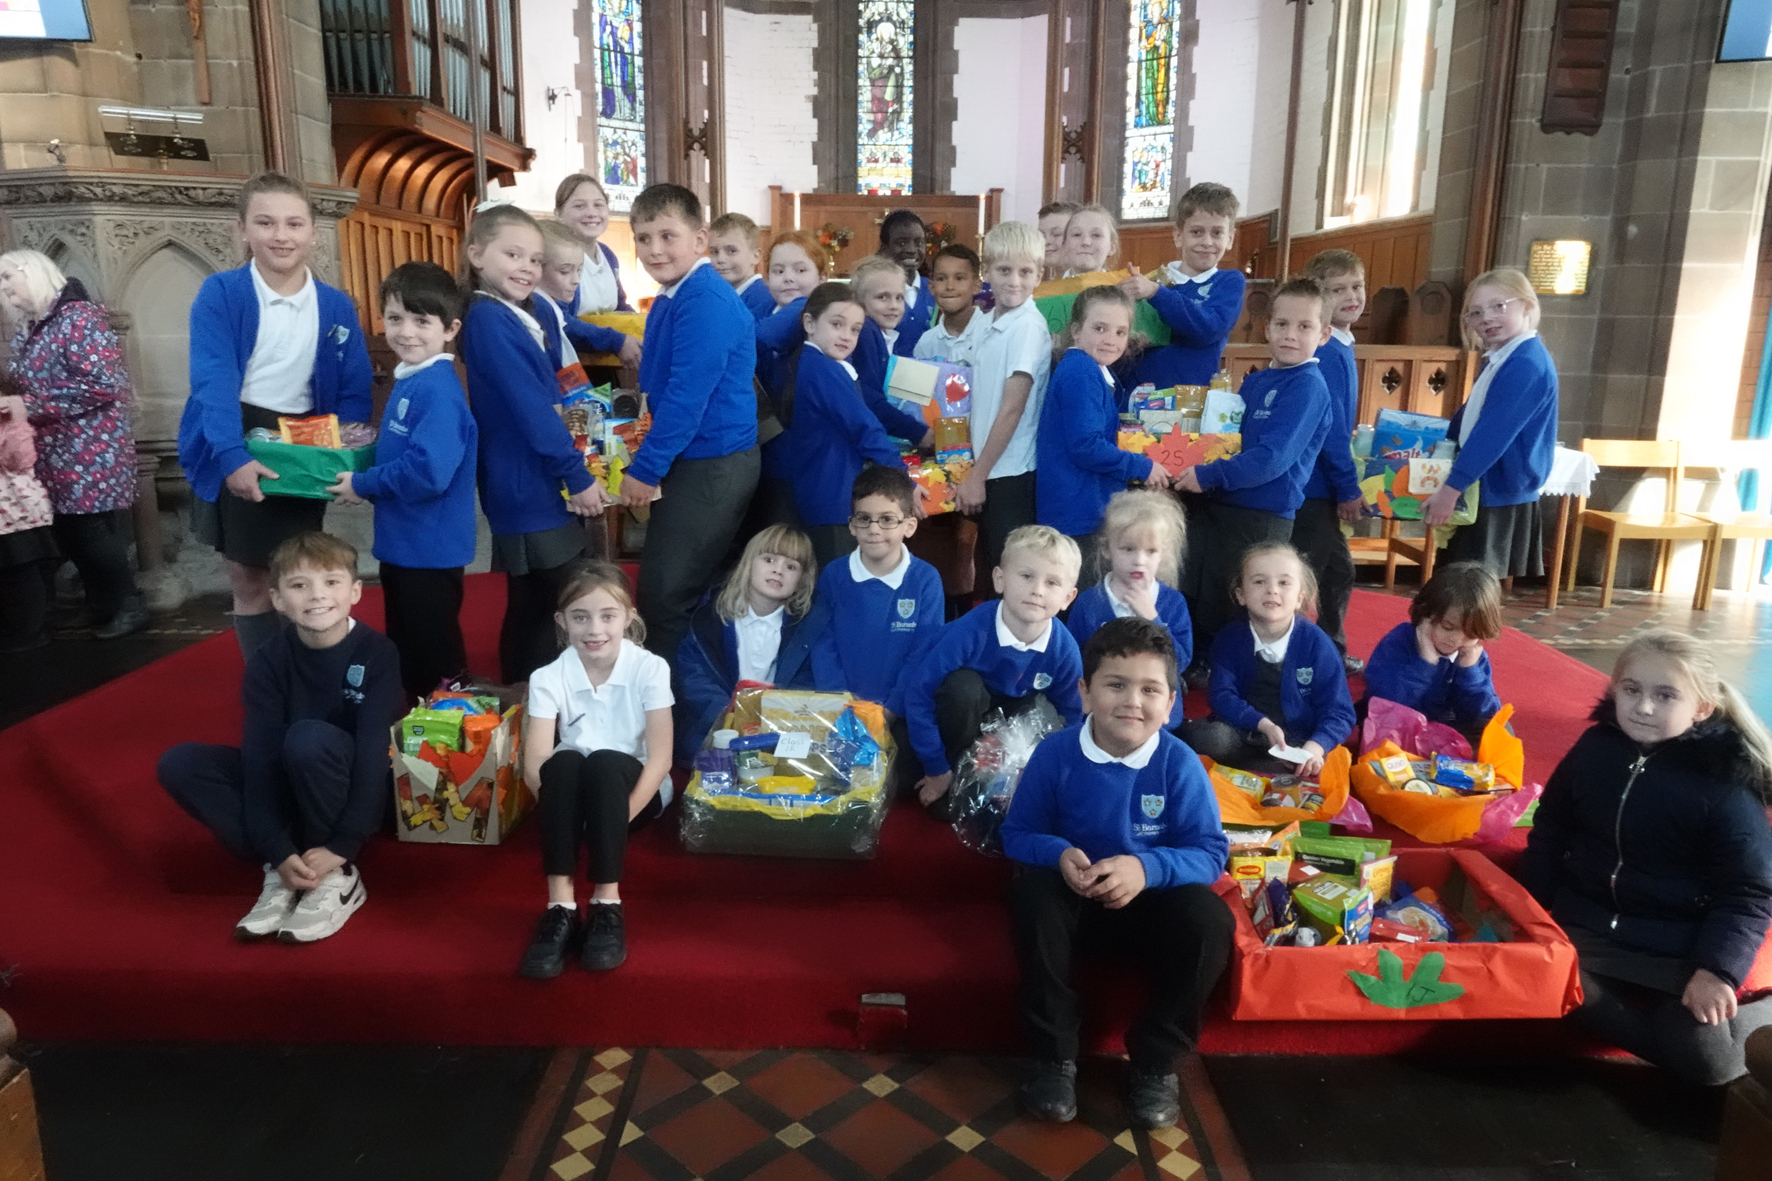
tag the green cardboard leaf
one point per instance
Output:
(1423, 987)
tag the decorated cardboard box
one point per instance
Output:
(446, 795)
(1178, 449)
(305, 471)
(939, 479)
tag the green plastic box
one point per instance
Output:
(307, 471)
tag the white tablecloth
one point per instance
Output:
(1572, 474)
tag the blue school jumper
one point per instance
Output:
(885, 624)
(699, 361)
(828, 437)
(1313, 684)
(1515, 439)
(1285, 419)
(754, 294)
(1334, 477)
(525, 450)
(869, 360)
(779, 337)
(422, 483)
(589, 338)
(1076, 453)
(1200, 318)
(1093, 608)
(621, 295)
(707, 667)
(1443, 692)
(971, 642)
(1163, 813)
(916, 320)
(224, 329)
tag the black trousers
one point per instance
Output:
(963, 703)
(830, 542)
(424, 621)
(98, 545)
(584, 800)
(1217, 535)
(1657, 1028)
(24, 602)
(527, 639)
(1181, 934)
(1316, 535)
(703, 504)
(207, 782)
(1008, 505)
(1223, 743)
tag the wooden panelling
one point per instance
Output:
(1580, 65)
(1397, 377)
(861, 214)
(1148, 246)
(1396, 250)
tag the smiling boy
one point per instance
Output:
(1198, 300)
(734, 249)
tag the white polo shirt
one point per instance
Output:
(610, 716)
(1014, 341)
(938, 344)
(280, 373)
(759, 643)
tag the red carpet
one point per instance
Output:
(118, 910)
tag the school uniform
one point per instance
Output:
(887, 620)
(1155, 804)
(872, 351)
(599, 284)
(1080, 463)
(1200, 310)
(779, 337)
(575, 335)
(1445, 691)
(1099, 603)
(599, 754)
(1316, 527)
(716, 654)
(422, 486)
(828, 437)
(1507, 438)
(938, 344)
(256, 355)
(1296, 681)
(1014, 340)
(754, 294)
(1252, 496)
(920, 313)
(698, 366)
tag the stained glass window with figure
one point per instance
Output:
(1153, 47)
(621, 102)
(884, 83)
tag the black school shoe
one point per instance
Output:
(1353, 664)
(1051, 1093)
(606, 940)
(1153, 1100)
(554, 933)
(1198, 675)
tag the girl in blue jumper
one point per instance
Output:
(1140, 544)
(760, 627)
(1277, 678)
(1435, 663)
(1080, 463)
(526, 452)
(1506, 431)
(581, 203)
(878, 283)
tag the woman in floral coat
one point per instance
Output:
(75, 392)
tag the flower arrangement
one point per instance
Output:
(936, 234)
(833, 238)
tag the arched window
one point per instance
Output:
(1153, 44)
(883, 96)
(621, 102)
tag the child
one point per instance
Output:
(1276, 679)
(761, 627)
(1080, 463)
(890, 601)
(954, 282)
(581, 204)
(26, 544)
(700, 461)
(1199, 302)
(1651, 849)
(905, 240)
(1052, 220)
(1005, 655)
(1116, 839)
(1332, 494)
(877, 283)
(796, 266)
(1506, 430)
(733, 247)
(1435, 663)
(1256, 492)
(827, 433)
(1139, 546)
(526, 452)
(597, 753)
(308, 783)
(422, 484)
(267, 339)
(561, 273)
(1011, 361)
(1090, 239)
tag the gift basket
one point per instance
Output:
(629, 323)
(791, 773)
(985, 779)
(1245, 798)
(458, 776)
(1422, 777)
(308, 454)
(608, 443)
(1404, 459)
(941, 393)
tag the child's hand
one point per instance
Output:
(630, 352)
(343, 492)
(243, 480)
(1138, 286)
(637, 493)
(969, 493)
(321, 861)
(1469, 653)
(1424, 644)
(296, 875)
(1187, 481)
(1140, 596)
(1437, 509)
(592, 501)
(1351, 510)
(1159, 478)
(1270, 730)
(920, 504)
(1313, 766)
(927, 442)
(932, 787)
(1118, 880)
(1073, 863)
(1710, 1000)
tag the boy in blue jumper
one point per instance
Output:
(1116, 837)
(734, 249)
(267, 340)
(1253, 495)
(700, 461)
(1004, 655)
(422, 484)
(1199, 302)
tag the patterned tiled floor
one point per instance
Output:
(678, 1115)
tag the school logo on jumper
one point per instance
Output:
(401, 412)
(1305, 674)
(1270, 398)
(1153, 805)
(1041, 680)
(354, 676)
(1205, 290)
(907, 608)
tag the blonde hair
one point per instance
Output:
(736, 223)
(1307, 578)
(603, 576)
(808, 242)
(559, 238)
(1113, 226)
(1014, 241)
(1692, 657)
(1140, 509)
(1512, 282)
(43, 280)
(1046, 542)
(867, 268)
(784, 541)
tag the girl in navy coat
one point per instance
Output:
(1435, 663)
(581, 203)
(878, 283)
(761, 627)
(1506, 431)
(1651, 849)
(1277, 679)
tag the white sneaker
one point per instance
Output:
(266, 917)
(324, 909)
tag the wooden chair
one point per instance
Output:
(1732, 457)
(1664, 528)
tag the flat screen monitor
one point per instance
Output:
(44, 20)
(1747, 32)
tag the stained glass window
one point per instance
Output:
(1152, 49)
(621, 98)
(883, 96)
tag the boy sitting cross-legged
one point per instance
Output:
(1117, 840)
(308, 783)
